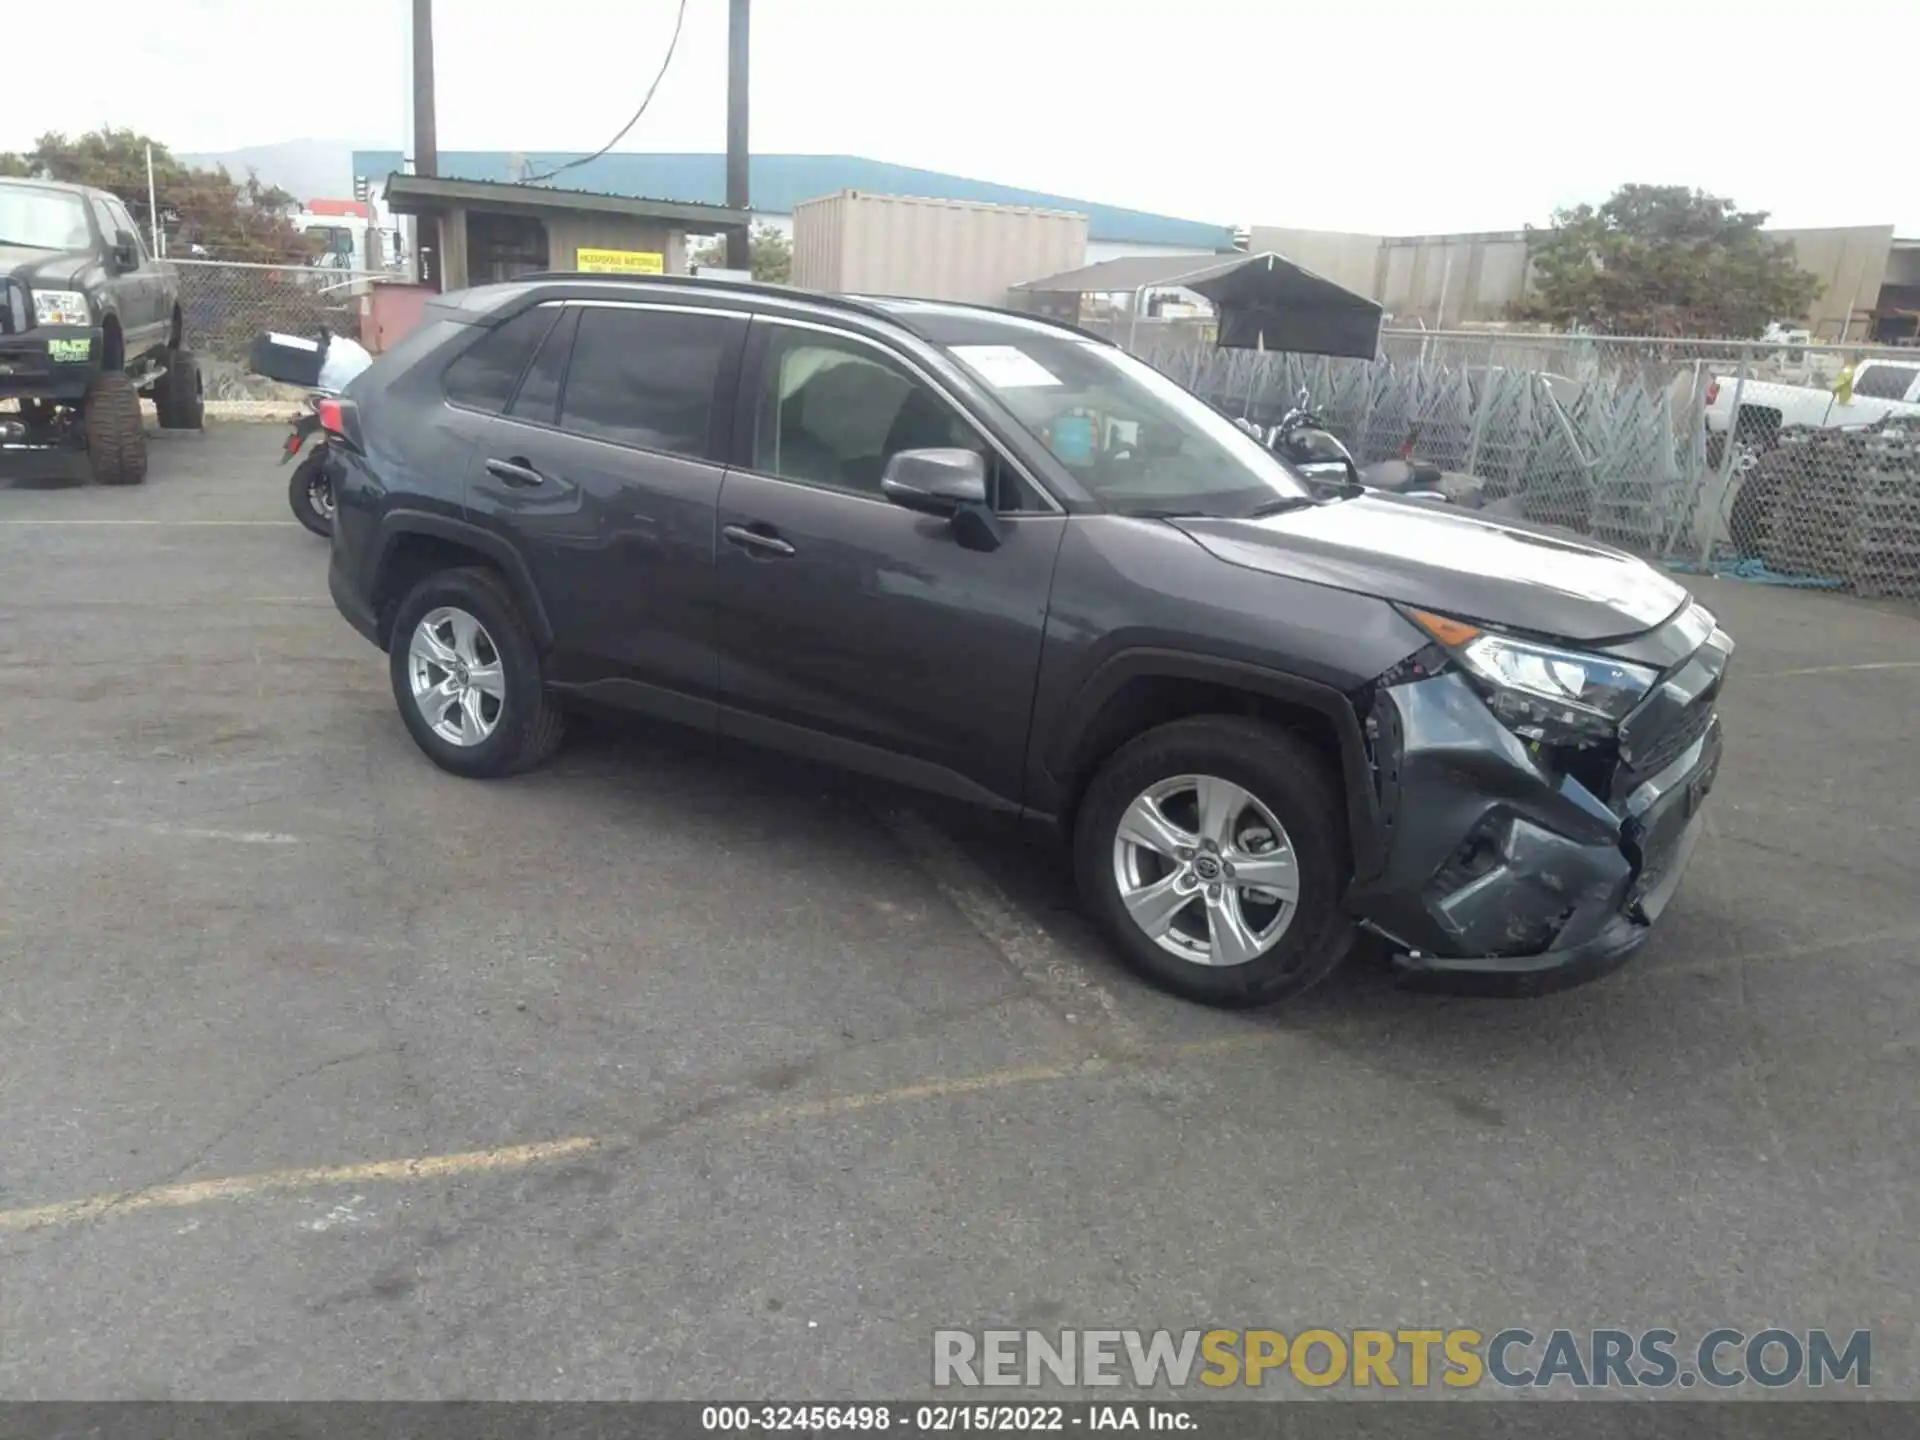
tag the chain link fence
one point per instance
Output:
(224, 305)
(1796, 464)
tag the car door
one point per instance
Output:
(852, 628)
(604, 471)
(144, 313)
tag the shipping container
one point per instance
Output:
(857, 243)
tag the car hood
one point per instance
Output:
(1501, 572)
(42, 268)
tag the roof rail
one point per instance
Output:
(872, 306)
(698, 282)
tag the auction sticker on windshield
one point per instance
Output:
(1005, 367)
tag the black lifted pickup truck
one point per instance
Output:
(89, 322)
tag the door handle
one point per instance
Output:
(515, 472)
(754, 540)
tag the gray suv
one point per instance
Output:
(996, 558)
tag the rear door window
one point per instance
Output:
(484, 377)
(648, 378)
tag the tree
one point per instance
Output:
(770, 250)
(231, 220)
(1664, 260)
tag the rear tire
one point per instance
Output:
(464, 625)
(179, 395)
(1283, 781)
(116, 434)
(310, 493)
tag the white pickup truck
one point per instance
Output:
(1880, 388)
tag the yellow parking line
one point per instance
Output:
(924, 1090)
(521, 1157)
(236, 1187)
(1835, 669)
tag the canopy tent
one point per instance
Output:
(1265, 301)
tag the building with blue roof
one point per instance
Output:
(780, 182)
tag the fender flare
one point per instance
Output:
(397, 524)
(1065, 750)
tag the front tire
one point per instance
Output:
(310, 493)
(116, 434)
(1212, 854)
(466, 676)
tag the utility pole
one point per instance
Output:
(426, 144)
(739, 253)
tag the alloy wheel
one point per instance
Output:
(1206, 870)
(320, 496)
(456, 676)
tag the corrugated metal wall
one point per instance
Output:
(1447, 280)
(1344, 257)
(854, 242)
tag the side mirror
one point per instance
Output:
(126, 254)
(935, 482)
(950, 484)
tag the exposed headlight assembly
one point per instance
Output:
(1542, 692)
(60, 307)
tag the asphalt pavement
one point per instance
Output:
(675, 1070)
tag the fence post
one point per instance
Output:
(1718, 498)
(1478, 425)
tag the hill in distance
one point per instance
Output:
(306, 169)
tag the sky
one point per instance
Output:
(1382, 116)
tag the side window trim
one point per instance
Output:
(725, 384)
(755, 374)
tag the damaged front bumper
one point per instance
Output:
(1508, 871)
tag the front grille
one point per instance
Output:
(1652, 756)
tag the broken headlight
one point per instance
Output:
(1542, 692)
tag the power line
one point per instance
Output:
(672, 44)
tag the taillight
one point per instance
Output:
(341, 420)
(1713, 390)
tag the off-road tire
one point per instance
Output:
(531, 725)
(300, 492)
(116, 434)
(178, 395)
(1288, 778)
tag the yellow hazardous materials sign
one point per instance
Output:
(621, 262)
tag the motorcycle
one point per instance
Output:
(332, 362)
(1302, 439)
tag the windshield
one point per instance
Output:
(43, 219)
(1135, 439)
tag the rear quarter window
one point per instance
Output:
(484, 376)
